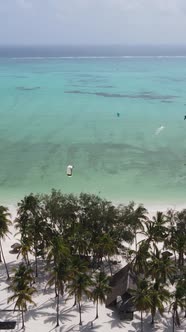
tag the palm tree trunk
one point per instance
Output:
(27, 260)
(80, 321)
(57, 309)
(74, 301)
(1, 250)
(181, 259)
(135, 238)
(110, 268)
(23, 322)
(36, 271)
(177, 320)
(141, 321)
(55, 286)
(175, 259)
(182, 256)
(173, 323)
(152, 321)
(97, 309)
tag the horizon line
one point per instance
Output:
(93, 45)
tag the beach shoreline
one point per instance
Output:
(151, 208)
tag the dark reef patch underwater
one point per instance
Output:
(24, 88)
(146, 96)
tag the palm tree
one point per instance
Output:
(160, 267)
(136, 217)
(156, 229)
(58, 277)
(158, 295)
(77, 265)
(31, 223)
(57, 249)
(140, 298)
(4, 223)
(79, 240)
(149, 233)
(57, 252)
(140, 260)
(22, 291)
(179, 301)
(25, 212)
(170, 242)
(179, 242)
(79, 286)
(25, 248)
(101, 289)
(176, 240)
(105, 247)
(171, 216)
(160, 230)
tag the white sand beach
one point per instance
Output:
(43, 316)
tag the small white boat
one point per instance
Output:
(69, 170)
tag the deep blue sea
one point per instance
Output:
(115, 113)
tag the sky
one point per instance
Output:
(92, 21)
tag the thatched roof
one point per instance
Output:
(16, 245)
(167, 254)
(127, 306)
(120, 283)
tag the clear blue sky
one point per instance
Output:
(92, 21)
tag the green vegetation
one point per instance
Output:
(101, 289)
(77, 240)
(4, 224)
(141, 297)
(22, 289)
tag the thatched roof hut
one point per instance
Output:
(167, 254)
(15, 248)
(120, 284)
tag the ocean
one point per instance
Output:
(116, 115)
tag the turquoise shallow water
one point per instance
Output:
(56, 112)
